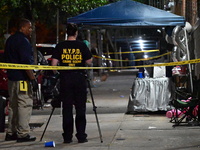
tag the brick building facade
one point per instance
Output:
(190, 9)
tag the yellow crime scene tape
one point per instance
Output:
(193, 61)
(41, 67)
(133, 52)
(143, 59)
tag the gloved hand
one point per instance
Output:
(57, 75)
(34, 85)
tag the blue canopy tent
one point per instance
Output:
(128, 13)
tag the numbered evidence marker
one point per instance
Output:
(23, 86)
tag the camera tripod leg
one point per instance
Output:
(95, 112)
(39, 101)
(47, 123)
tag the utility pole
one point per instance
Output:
(57, 33)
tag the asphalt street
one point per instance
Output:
(117, 87)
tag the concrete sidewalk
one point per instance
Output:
(141, 131)
(119, 132)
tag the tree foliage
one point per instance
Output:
(43, 12)
(46, 10)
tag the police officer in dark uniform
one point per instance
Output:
(73, 87)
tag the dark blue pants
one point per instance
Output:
(73, 91)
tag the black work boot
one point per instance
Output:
(11, 137)
(27, 138)
(66, 140)
(82, 140)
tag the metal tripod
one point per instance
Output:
(94, 109)
(47, 124)
(95, 112)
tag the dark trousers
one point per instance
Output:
(74, 92)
